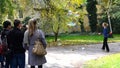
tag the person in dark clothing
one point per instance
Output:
(4, 34)
(105, 34)
(15, 39)
(24, 28)
(1, 56)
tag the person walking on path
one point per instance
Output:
(105, 34)
(30, 36)
(4, 34)
(15, 39)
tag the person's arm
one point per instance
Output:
(42, 37)
(2, 35)
(26, 40)
(9, 39)
(0, 40)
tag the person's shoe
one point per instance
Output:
(108, 51)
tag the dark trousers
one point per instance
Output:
(7, 62)
(40, 66)
(105, 44)
(18, 61)
(2, 61)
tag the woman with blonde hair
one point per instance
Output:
(105, 34)
(30, 36)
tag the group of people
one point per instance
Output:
(18, 42)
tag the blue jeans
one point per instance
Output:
(7, 62)
(2, 61)
(18, 61)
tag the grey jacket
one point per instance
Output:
(34, 59)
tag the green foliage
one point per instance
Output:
(10, 8)
(114, 13)
(56, 15)
(25, 21)
(115, 16)
(91, 9)
(116, 25)
(111, 61)
(6, 8)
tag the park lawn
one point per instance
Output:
(81, 39)
(111, 61)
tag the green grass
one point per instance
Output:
(82, 39)
(112, 61)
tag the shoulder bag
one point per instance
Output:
(38, 48)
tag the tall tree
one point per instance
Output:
(91, 9)
(114, 15)
(56, 16)
(55, 13)
(6, 8)
(107, 7)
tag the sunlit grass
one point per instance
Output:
(111, 61)
(82, 39)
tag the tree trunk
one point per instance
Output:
(56, 36)
(82, 26)
(109, 21)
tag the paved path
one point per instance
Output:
(75, 56)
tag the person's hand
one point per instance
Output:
(26, 46)
(110, 33)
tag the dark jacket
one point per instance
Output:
(105, 32)
(4, 33)
(15, 40)
(4, 37)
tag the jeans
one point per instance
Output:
(18, 61)
(2, 61)
(8, 62)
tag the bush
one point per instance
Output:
(116, 25)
